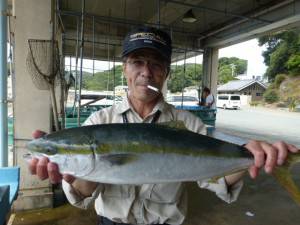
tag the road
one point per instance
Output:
(260, 123)
(262, 201)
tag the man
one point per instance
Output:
(146, 61)
(208, 98)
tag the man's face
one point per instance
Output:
(145, 67)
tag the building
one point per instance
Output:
(121, 90)
(250, 90)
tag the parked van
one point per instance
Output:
(177, 100)
(229, 101)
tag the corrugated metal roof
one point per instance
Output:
(237, 85)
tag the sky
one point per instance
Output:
(248, 50)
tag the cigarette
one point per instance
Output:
(153, 88)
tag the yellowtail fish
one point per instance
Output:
(139, 153)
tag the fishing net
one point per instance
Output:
(43, 64)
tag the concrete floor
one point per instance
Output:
(263, 198)
(262, 202)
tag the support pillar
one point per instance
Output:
(31, 105)
(210, 69)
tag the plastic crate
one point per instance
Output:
(208, 116)
(85, 112)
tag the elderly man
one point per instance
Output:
(146, 61)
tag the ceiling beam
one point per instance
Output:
(222, 12)
(293, 21)
(116, 20)
(258, 12)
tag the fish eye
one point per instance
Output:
(49, 150)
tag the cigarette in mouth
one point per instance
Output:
(153, 88)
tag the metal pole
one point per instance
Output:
(81, 62)
(93, 56)
(114, 74)
(54, 61)
(158, 14)
(63, 85)
(3, 85)
(183, 79)
(76, 66)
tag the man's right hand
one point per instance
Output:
(44, 169)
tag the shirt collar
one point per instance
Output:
(125, 106)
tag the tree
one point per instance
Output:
(103, 80)
(282, 53)
(229, 68)
(239, 65)
(225, 74)
(293, 64)
(179, 80)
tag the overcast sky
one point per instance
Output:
(248, 50)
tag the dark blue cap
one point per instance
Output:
(148, 37)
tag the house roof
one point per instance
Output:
(238, 85)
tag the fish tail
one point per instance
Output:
(284, 177)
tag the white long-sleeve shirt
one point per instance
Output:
(148, 203)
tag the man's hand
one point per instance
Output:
(268, 155)
(44, 169)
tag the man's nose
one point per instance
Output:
(146, 70)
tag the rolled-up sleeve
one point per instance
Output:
(227, 194)
(76, 199)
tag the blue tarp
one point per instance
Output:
(4, 203)
(9, 187)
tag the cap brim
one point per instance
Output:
(159, 50)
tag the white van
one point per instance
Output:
(229, 101)
(177, 100)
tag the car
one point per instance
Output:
(179, 100)
(108, 100)
(229, 101)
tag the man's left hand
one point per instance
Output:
(268, 155)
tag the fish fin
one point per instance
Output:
(283, 176)
(119, 159)
(178, 124)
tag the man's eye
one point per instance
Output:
(156, 65)
(138, 62)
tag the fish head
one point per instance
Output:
(74, 159)
(42, 146)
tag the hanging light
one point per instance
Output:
(189, 17)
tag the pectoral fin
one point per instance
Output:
(119, 159)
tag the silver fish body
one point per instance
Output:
(139, 154)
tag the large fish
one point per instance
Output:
(139, 153)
